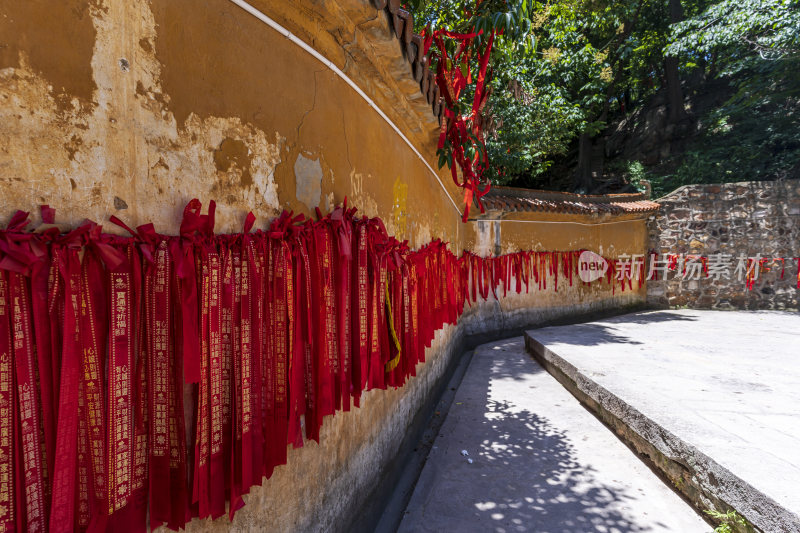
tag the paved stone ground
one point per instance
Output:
(718, 391)
(541, 462)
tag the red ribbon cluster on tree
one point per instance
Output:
(462, 133)
(100, 333)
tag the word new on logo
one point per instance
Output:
(591, 266)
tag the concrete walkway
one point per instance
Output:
(716, 393)
(540, 462)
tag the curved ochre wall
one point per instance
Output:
(133, 108)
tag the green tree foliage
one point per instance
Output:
(545, 99)
(755, 134)
(743, 30)
(567, 69)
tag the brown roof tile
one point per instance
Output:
(514, 199)
(402, 22)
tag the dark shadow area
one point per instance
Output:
(383, 510)
(471, 341)
(652, 317)
(594, 334)
(587, 335)
(544, 488)
(504, 371)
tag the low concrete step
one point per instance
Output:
(708, 398)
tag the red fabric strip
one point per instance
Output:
(226, 358)
(119, 437)
(180, 512)
(65, 476)
(41, 328)
(202, 467)
(160, 356)
(361, 299)
(309, 326)
(235, 454)
(215, 366)
(295, 350)
(281, 345)
(29, 412)
(7, 421)
(94, 328)
(252, 449)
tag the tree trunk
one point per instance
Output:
(712, 72)
(674, 93)
(628, 101)
(583, 174)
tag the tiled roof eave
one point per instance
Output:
(527, 200)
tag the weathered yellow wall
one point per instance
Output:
(133, 108)
(608, 236)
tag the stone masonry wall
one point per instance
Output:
(747, 219)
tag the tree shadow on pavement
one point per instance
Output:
(506, 371)
(583, 335)
(501, 464)
(649, 317)
(545, 488)
(604, 332)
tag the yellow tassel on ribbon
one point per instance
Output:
(391, 365)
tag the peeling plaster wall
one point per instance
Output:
(137, 107)
(117, 148)
(133, 108)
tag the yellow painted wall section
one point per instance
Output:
(162, 102)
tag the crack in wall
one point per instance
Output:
(313, 105)
(349, 57)
(346, 141)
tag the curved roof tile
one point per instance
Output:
(514, 199)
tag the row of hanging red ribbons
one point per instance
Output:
(753, 267)
(265, 333)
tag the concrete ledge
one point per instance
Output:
(700, 479)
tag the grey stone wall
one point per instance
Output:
(747, 219)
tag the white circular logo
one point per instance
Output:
(591, 266)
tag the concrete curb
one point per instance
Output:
(700, 479)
